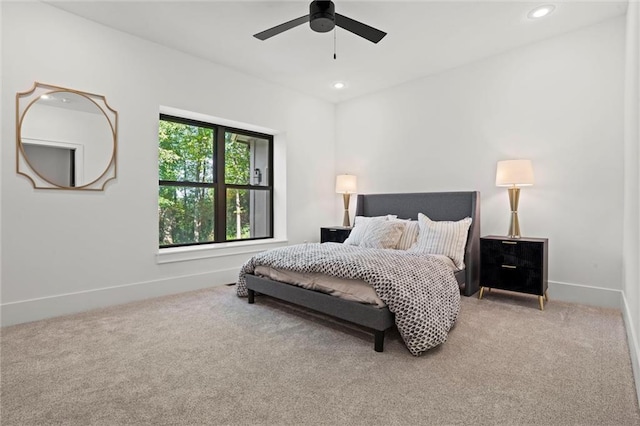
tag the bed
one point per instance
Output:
(438, 206)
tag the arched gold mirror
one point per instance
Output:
(66, 139)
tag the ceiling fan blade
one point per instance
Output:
(358, 28)
(281, 28)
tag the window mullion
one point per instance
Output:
(187, 184)
(251, 187)
(270, 184)
(221, 192)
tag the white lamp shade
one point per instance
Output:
(514, 173)
(346, 184)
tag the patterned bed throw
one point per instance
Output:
(420, 290)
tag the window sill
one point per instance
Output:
(182, 254)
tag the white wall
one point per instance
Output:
(65, 251)
(631, 211)
(557, 102)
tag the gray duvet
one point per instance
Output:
(420, 290)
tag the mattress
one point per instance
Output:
(353, 290)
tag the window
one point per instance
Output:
(215, 183)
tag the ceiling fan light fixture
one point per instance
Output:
(541, 11)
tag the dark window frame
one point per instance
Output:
(219, 184)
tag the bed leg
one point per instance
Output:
(252, 295)
(379, 340)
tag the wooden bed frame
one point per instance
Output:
(438, 206)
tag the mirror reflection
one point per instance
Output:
(66, 139)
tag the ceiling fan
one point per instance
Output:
(322, 18)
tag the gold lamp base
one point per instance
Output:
(345, 219)
(514, 226)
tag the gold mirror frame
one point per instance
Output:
(24, 102)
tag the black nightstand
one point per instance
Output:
(515, 264)
(334, 234)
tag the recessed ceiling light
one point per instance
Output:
(339, 85)
(541, 11)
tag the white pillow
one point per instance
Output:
(409, 235)
(383, 234)
(444, 237)
(360, 224)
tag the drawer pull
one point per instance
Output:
(509, 242)
(509, 266)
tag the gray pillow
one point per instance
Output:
(383, 234)
(360, 225)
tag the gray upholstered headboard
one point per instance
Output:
(438, 206)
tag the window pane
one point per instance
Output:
(246, 160)
(186, 152)
(248, 213)
(186, 215)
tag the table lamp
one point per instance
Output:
(514, 174)
(346, 185)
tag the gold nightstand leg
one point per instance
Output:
(541, 300)
(481, 292)
(546, 295)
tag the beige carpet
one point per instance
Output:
(207, 357)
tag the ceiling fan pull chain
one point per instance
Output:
(334, 43)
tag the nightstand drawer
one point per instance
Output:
(514, 278)
(512, 253)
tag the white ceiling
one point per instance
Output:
(424, 37)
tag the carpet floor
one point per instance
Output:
(207, 357)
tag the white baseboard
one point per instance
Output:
(64, 304)
(585, 295)
(632, 341)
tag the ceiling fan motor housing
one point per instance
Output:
(322, 17)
